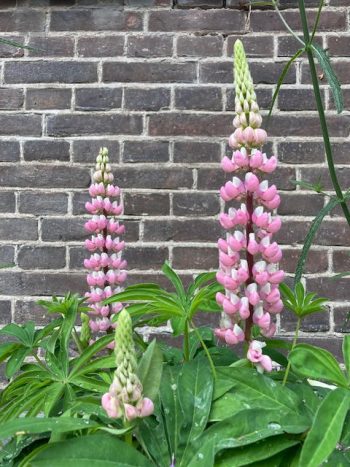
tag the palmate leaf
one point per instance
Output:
(175, 280)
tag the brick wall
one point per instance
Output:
(152, 81)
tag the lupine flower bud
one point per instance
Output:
(248, 255)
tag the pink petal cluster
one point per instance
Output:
(106, 265)
(248, 256)
(116, 408)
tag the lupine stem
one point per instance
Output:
(296, 335)
(186, 342)
(206, 350)
(250, 261)
(321, 113)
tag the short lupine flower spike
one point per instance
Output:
(106, 265)
(248, 256)
(124, 398)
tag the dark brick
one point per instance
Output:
(262, 72)
(335, 233)
(49, 98)
(50, 72)
(316, 262)
(196, 204)
(7, 201)
(82, 124)
(35, 177)
(146, 204)
(297, 204)
(148, 3)
(150, 46)
(297, 99)
(77, 256)
(95, 19)
(8, 4)
(146, 151)
(194, 152)
(11, 51)
(198, 98)
(288, 45)
(86, 150)
(346, 99)
(27, 124)
(11, 99)
(340, 67)
(5, 311)
(317, 322)
(51, 46)
(341, 261)
(7, 255)
(339, 46)
(292, 232)
(37, 283)
(309, 152)
(105, 46)
(9, 151)
(41, 150)
(217, 21)
(78, 202)
(199, 46)
(30, 310)
(144, 257)
(195, 258)
(18, 229)
(41, 257)
(264, 97)
(162, 177)
(177, 124)
(181, 230)
(341, 315)
(22, 20)
(149, 72)
(309, 125)
(98, 98)
(199, 3)
(147, 99)
(321, 175)
(43, 204)
(254, 46)
(329, 288)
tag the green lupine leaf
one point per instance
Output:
(175, 280)
(150, 370)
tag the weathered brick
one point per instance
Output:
(217, 21)
(329, 288)
(5, 311)
(82, 124)
(41, 257)
(340, 67)
(341, 261)
(148, 3)
(22, 20)
(11, 99)
(30, 310)
(316, 262)
(163, 177)
(199, 46)
(288, 45)
(309, 125)
(147, 99)
(34, 176)
(292, 99)
(196, 204)
(8, 4)
(199, 3)
(195, 258)
(335, 233)
(341, 318)
(194, 152)
(303, 152)
(144, 257)
(181, 230)
(339, 46)
(254, 46)
(51, 46)
(317, 322)
(42, 150)
(7, 201)
(150, 46)
(297, 204)
(7, 255)
(138, 72)
(9, 151)
(292, 232)
(17, 229)
(78, 202)
(48, 98)
(42, 204)
(105, 46)
(315, 175)
(50, 72)
(30, 125)
(146, 151)
(262, 72)
(86, 150)
(146, 204)
(176, 124)
(95, 19)
(77, 256)
(7, 50)
(198, 98)
(98, 98)
(346, 99)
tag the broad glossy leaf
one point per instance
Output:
(15, 361)
(153, 438)
(316, 363)
(7, 349)
(204, 456)
(150, 370)
(16, 331)
(99, 450)
(326, 428)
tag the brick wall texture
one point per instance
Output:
(152, 81)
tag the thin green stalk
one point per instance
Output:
(286, 24)
(293, 345)
(77, 341)
(317, 21)
(128, 438)
(186, 342)
(206, 350)
(320, 109)
(38, 360)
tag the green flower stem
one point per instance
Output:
(206, 350)
(186, 347)
(296, 335)
(40, 363)
(77, 341)
(320, 109)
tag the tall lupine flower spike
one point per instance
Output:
(105, 265)
(124, 398)
(248, 255)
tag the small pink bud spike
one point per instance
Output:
(248, 255)
(105, 265)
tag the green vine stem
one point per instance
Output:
(296, 335)
(320, 109)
